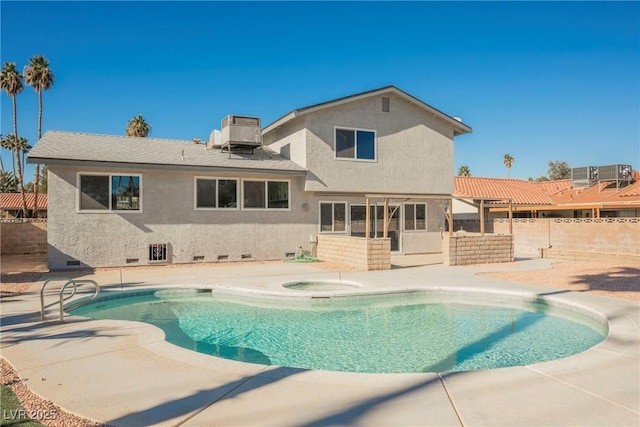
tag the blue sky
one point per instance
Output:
(540, 81)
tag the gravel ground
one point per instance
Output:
(605, 279)
(599, 278)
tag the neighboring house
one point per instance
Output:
(549, 199)
(131, 201)
(11, 205)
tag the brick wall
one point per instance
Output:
(614, 236)
(20, 237)
(467, 248)
(355, 252)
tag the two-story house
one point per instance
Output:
(117, 201)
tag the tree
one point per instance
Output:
(464, 171)
(559, 170)
(8, 182)
(7, 146)
(21, 145)
(138, 127)
(38, 75)
(508, 161)
(11, 82)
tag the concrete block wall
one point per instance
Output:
(615, 236)
(23, 237)
(467, 248)
(355, 252)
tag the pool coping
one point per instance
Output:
(247, 394)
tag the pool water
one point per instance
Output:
(421, 333)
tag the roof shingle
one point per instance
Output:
(85, 147)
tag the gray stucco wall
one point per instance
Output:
(414, 148)
(168, 216)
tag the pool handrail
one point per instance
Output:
(46, 282)
(75, 284)
(68, 281)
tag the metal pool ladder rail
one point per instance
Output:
(68, 282)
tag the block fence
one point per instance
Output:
(466, 248)
(23, 237)
(355, 252)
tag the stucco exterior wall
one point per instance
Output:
(289, 140)
(168, 216)
(414, 149)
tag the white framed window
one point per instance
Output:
(215, 193)
(355, 144)
(266, 194)
(333, 217)
(103, 192)
(415, 216)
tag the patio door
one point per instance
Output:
(358, 222)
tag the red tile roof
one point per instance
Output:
(14, 201)
(545, 193)
(521, 192)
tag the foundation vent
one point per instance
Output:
(158, 252)
(199, 258)
(223, 257)
(73, 263)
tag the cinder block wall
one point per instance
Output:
(466, 249)
(23, 237)
(355, 252)
(614, 236)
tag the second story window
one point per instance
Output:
(357, 144)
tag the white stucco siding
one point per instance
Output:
(290, 141)
(168, 216)
(414, 149)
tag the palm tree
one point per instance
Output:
(508, 161)
(464, 171)
(8, 182)
(21, 145)
(138, 127)
(5, 144)
(38, 75)
(11, 82)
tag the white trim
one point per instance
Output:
(355, 145)
(266, 194)
(217, 179)
(333, 219)
(110, 209)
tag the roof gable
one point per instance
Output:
(459, 127)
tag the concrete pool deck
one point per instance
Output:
(124, 373)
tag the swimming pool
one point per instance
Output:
(393, 333)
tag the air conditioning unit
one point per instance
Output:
(584, 176)
(241, 132)
(615, 172)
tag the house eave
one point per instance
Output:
(185, 167)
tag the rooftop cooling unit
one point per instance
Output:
(584, 176)
(615, 173)
(241, 132)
